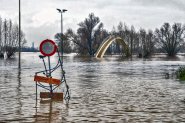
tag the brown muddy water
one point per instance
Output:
(102, 90)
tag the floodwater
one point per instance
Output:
(111, 89)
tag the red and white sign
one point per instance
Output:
(48, 47)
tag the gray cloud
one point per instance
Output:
(173, 4)
(42, 32)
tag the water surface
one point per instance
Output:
(111, 89)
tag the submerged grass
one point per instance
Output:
(180, 73)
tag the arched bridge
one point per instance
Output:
(107, 42)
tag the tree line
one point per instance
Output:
(86, 40)
(9, 37)
(167, 39)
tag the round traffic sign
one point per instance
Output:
(48, 47)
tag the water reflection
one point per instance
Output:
(42, 116)
(19, 94)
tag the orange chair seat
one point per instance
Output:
(47, 80)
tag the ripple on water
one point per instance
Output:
(108, 90)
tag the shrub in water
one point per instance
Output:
(181, 73)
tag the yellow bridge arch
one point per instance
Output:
(107, 42)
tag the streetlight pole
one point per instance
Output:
(63, 79)
(19, 62)
(62, 41)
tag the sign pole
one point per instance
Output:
(48, 48)
(51, 89)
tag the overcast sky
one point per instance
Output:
(40, 20)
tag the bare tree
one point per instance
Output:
(9, 38)
(132, 36)
(129, 35)
(124, 33)
(170, 39)
(147, 42)
(67, 43)
(151, 40)
(78, 45)
(99, 35)
(86, 32)
(1, 41)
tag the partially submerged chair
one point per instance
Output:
(46, 81)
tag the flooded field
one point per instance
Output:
(102, 90)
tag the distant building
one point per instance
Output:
(32, 45)
(30, 49)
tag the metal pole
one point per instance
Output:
(51, 87)
(62, 41)
(19, 62)
(36, 92)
